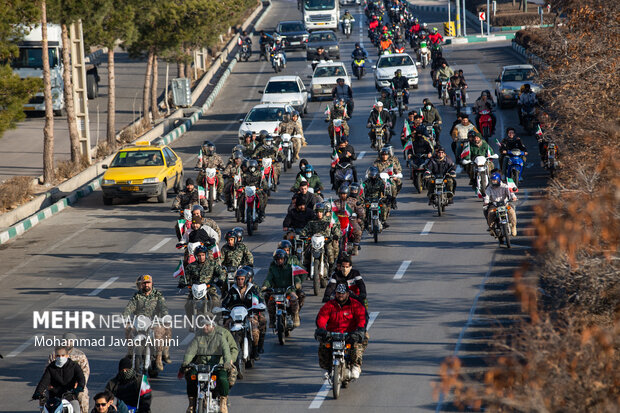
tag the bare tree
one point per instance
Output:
(154, 107)
(111, 126)
(147, 87)
(74, 135)
(48, 130)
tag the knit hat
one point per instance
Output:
(124, 363)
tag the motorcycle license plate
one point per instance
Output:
(28, 108)
(295, 43)
(130, 188)
(338, 345)
(327, 91)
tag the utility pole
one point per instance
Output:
(80, 95)
(458, 18)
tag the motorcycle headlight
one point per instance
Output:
(150, 180)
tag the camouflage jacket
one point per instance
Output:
(207, 273)
(374, 188)
(213, 161)
(254, 179)
(231, 170)
(236, 256)
(267, 152)
(321, 227)
(185, 199)
(355, 206)
(248, 150)
(289, 127)
(150, 305)
(391, 161)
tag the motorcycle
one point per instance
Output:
(379, 131)
(316, 62)
(457, 99)
(435, 51)
(346, 246)
(209, 186)
(359, 67)
(284, 321)
(287, 151)
(236, 195)
(337, 132)
(551, 162)
(143, 354)
(373, 217)
(417, 164)
(485, 124)
(343, 173)
(481, 172)
(431, 132)
(439, 198)
(268, 174)
(241, 330)
(502, 229)
(445, 97)
(188, 251)
(528, 115)
(399, 95)
(206, 401)
(319, 267)
(340, 374)
(59, 404)
(245, 52)
(277, 61)
(346, 27)
(251, 209)
(200, 302)
(514, 165)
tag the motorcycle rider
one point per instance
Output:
(435, 37)
(347, 275)
(385, 44)
(297, 119)
(232, 169)
(203, 271)
(321, 225)
(79, 357)
(288, 125)
(359, 53)
(379, 116)
(375, 188)
(349, 206)
(479, 147)
(485, 102)
(60, 377)
(311, 177)
(244, 38)
(254, 177)
(388, 163)
(292, 258)
(441, 165)
(280, 275)
(125, 386)
(344, 92)
(199, 232)
(297, 217)
(510, 142)
(151, 303)
(457, 83)
(278, 47)
(460, 134)
(346, 16)
(431, 115)
(526, 98)
(420, 146)
(269, 150)
(498, 191)
(210, 347)
(355, 192)
(265, 41)
(210, 159)
(187, 197)
(244, 293)
(444, 73)
(400, 82)
(321, 54)
(234, 254)
(346, 154)
(343, 315)
(304, 195)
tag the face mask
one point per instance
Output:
(495, 183)
(61, 361)
(428, 107)
(128, 374)
(308, 174)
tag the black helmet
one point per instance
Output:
(238, 231)
(250, 272)
(268, 140)
(398, 72)
(344, 189)
(199, 249)
(253, 165)
(354, 189)
(241, 272)
(386, 90)
(384, 151)
(263, 134)
(357, 45)
(247, 134)
(209, 147)
(285, 244)
(237, 147)
(245, 163)
(320, 207)
(230, 234)
(294, 113)
(343, 139)
(373, 172)
(279, 254)
(237, 155)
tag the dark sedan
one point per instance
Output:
(293, 33)
(325, 38)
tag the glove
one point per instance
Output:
(181, 285)
(319, 334)
(76, 391)
(181, 373)
(37, 396)
(357, 336)
(228, 365)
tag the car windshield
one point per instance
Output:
(32, 57)
(329, 71)
(322, 37)
(319, 4)
(392, 61)
(265, 115)
(288, 86)
(292, 27)
(518, 75)
(125, 159)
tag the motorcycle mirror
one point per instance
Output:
(309, 76)
(374, 66)
(241, 120)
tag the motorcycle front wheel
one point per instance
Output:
(439, 205)
(506, 234)
(418, 182)
(316, 277)
(280, 329)
(250, 222)
(375, 231)
(336, 380)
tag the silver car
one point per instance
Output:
(508, 83)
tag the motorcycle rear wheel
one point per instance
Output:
(316, 277)
(375, 231)
(336, 380)
(280, 328)
(506, 233)
(250, 223)
(240, 363)
(439, 204)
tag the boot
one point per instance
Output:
(223, 404)
(158, 363)
(261, 343)
(296, 320)
(355, 248)
(166, 356)
(192, 405)
(218, 198)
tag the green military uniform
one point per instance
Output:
(248, 149)
(211, 161)
(272, 152)
(185, 199)
(234, 353)
(375, 189)
(322, 227)
(150, 305)
(255, 179)
(210, 272)
(236, 256)
(397, 169)
(282, 277)
(292, 128)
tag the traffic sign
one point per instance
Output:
(482, 16)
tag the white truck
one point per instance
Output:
(29, 63)
(321, 14)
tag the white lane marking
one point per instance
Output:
(470, 318)
(361, 155)
(326, 387)
(159, 244)
(256, 270)
(188, 339)
(102, 287)
(401, 271)
(22, 347)
(427, 228)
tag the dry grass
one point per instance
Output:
(15, 191)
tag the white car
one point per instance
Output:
(266, 116)
(387, 65)
(324, 78)
(288, 90)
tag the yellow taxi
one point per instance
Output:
(142, 170)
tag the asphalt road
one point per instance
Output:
(425, 277)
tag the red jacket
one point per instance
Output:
(435, 37)
(373, 24)
(415, 29)
(341, 319)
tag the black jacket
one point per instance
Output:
(510, 144)
(128, 391)
(201, 235)
(297, 219)
(357, 287)
(61, 379)
(400, 82)
(437, 167)
(421, 146)
(234, 298)
(342, 154)
(385, 117)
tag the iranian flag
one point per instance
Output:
(407, 129)
(348, 209)
(379, 120)
(478, 193)
(181, 225)
(327, 111)
(335, 158)
(390, 170)
(333, 219)
(216, 251)
(465, 152)
(539, 131)
(145, 387)
(489, 151)
(180, 270)
(201, 192)
(297, 270)
(511, 185)
(408, 146)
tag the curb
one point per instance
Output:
(517, 28)
(529, 56)
(479, 39)
(29, 222)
